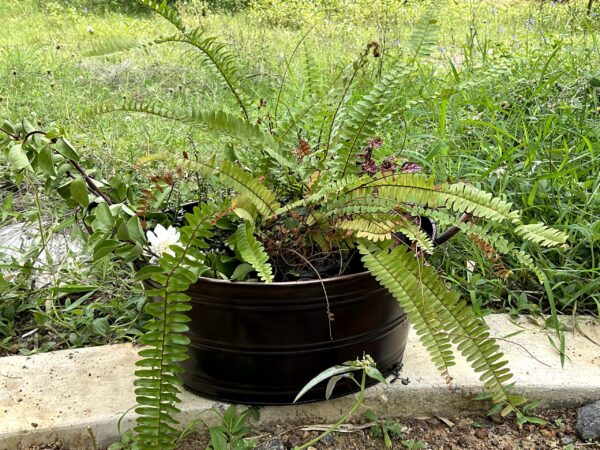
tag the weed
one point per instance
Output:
(385, 429)
(413, 444)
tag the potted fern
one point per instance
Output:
(310, 249)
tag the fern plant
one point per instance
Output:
(302, 191)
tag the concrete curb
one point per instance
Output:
(57, 396)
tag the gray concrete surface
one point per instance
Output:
(21, 241)
(59, 395)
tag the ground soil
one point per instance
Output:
(473, 432)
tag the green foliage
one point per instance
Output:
(385, 429)
(366, 366)
(439, 316)
(244, 183)
(413, 444)
(157, 384)
(216, 122)
(423, 39)
(231, 433)
(365, 116)
(171, 14)
(127, 442)
(214, 54)
(466, 112)
(253, 252)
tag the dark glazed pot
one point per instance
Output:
(259, 343)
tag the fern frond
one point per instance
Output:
(416, 285)
(495, 240)
(217, 122)
(405, 190)
(527, 261)
(157, 386)
(122, 44)
(402, 277)
(253, 252)
(115, 45)
(415, 234)
(381, 227)
(373, 230)
(423, 39)
(542, 234)
(222, 60)
(460, 197)
(216, 54)
(466, 198)
(315, 114)
(330, 188)
(363, 118)
(234, 177)
(166, 11)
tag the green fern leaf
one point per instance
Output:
(439, 316)
(424, 37)
(415, 234)
(497, 241)
(114, 45)
(224, 63)
(401, 278)
(374, 230)
(217, 122)
(363, 118)
(253, 252)
(418, 189)
(234, 177)
(169, 13)
(465, 198)
(542, 234)
(215, 54)
(165, 344)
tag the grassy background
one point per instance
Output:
(509, 102)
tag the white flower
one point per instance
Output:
(161, 239)
(534, 166)
(499, 171)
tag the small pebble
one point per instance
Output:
(566, 440)
(327, 440)
(481, 434)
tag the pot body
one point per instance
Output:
(257, 343)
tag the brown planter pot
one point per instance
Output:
(259, 343)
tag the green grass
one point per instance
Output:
(510, 101)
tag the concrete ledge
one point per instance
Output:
(58, 395)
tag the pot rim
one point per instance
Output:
(284, 283)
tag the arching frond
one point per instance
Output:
(373, 230)
(424, 38)
(253, 252)
(234, 177)
(460, 197)
(440, 316)
(223, 63)
(362, 119)
(218, 122)
(403, 278)
(542, 234)
(165, 343)
(167, 12)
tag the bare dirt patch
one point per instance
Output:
(474, 432)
